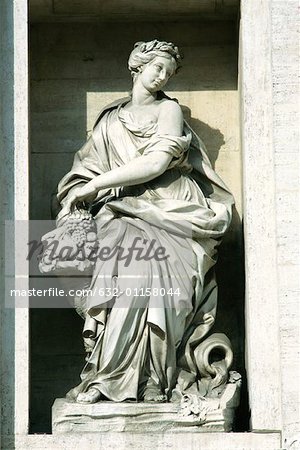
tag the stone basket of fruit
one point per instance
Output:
(70, 248)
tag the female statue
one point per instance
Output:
(147, 178)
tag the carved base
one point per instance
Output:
(217, 415)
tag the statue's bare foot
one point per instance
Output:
(91, 396)
(154, 396)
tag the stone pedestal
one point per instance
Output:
(203, 415)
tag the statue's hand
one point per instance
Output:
(62, 216)
(86, 194)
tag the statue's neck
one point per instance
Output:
(140, 95)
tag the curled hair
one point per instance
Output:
(144, 52)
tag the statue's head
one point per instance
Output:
(149, 52)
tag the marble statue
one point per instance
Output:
(146, 178)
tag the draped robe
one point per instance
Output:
(147, 341)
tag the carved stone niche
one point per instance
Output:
(255, 96)
(68, 100)
(76, 104)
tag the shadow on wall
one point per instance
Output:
(57, 358)
(230, 317)
(212, 137)
(230, 275)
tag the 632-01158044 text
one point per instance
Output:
(139, 292)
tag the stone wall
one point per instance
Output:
(285, 70)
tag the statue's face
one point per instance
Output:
(155, 74)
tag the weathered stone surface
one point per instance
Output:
(259, 219)
(146, 441)
(285, 78)
(68, 10)
(102, 417)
